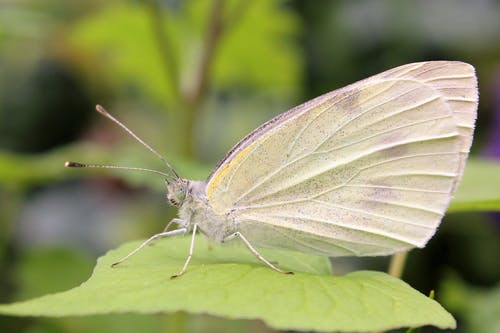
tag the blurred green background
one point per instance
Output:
(192, 78)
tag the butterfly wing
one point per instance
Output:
(369, 169)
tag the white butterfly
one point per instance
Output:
(365, 170)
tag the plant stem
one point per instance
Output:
(397, 264)
(165, 47)
(196, 92)
(212, 37)
(189, 102)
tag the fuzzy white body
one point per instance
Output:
(196, 209)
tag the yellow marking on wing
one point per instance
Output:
(226, 167)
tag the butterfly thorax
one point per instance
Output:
(196, 209)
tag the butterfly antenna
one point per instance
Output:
(105, 113)
(70, 164)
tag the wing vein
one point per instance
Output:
(361, 211)
(430, 100)
(430, 69)
(371, 231)
(309, 245)
(402, 73)
(399, 204)
(307, 124)
(385, 132)
(458, 99)
(272, 174)
(409, 189)
(450, 77)
(330, 167)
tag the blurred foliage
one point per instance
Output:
(251, 56)
(65, 267)
(22, 171)
(33, 123)
(479, 307)
(143, 59)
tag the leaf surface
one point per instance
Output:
(480, 187)
(228, 281)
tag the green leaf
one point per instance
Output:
(480, 187)
(228, 281)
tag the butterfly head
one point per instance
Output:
(177, 189)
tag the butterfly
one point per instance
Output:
(365, 170)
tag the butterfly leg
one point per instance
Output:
(178, 221)
(149, 240)
(254, 251)
(191, 248)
